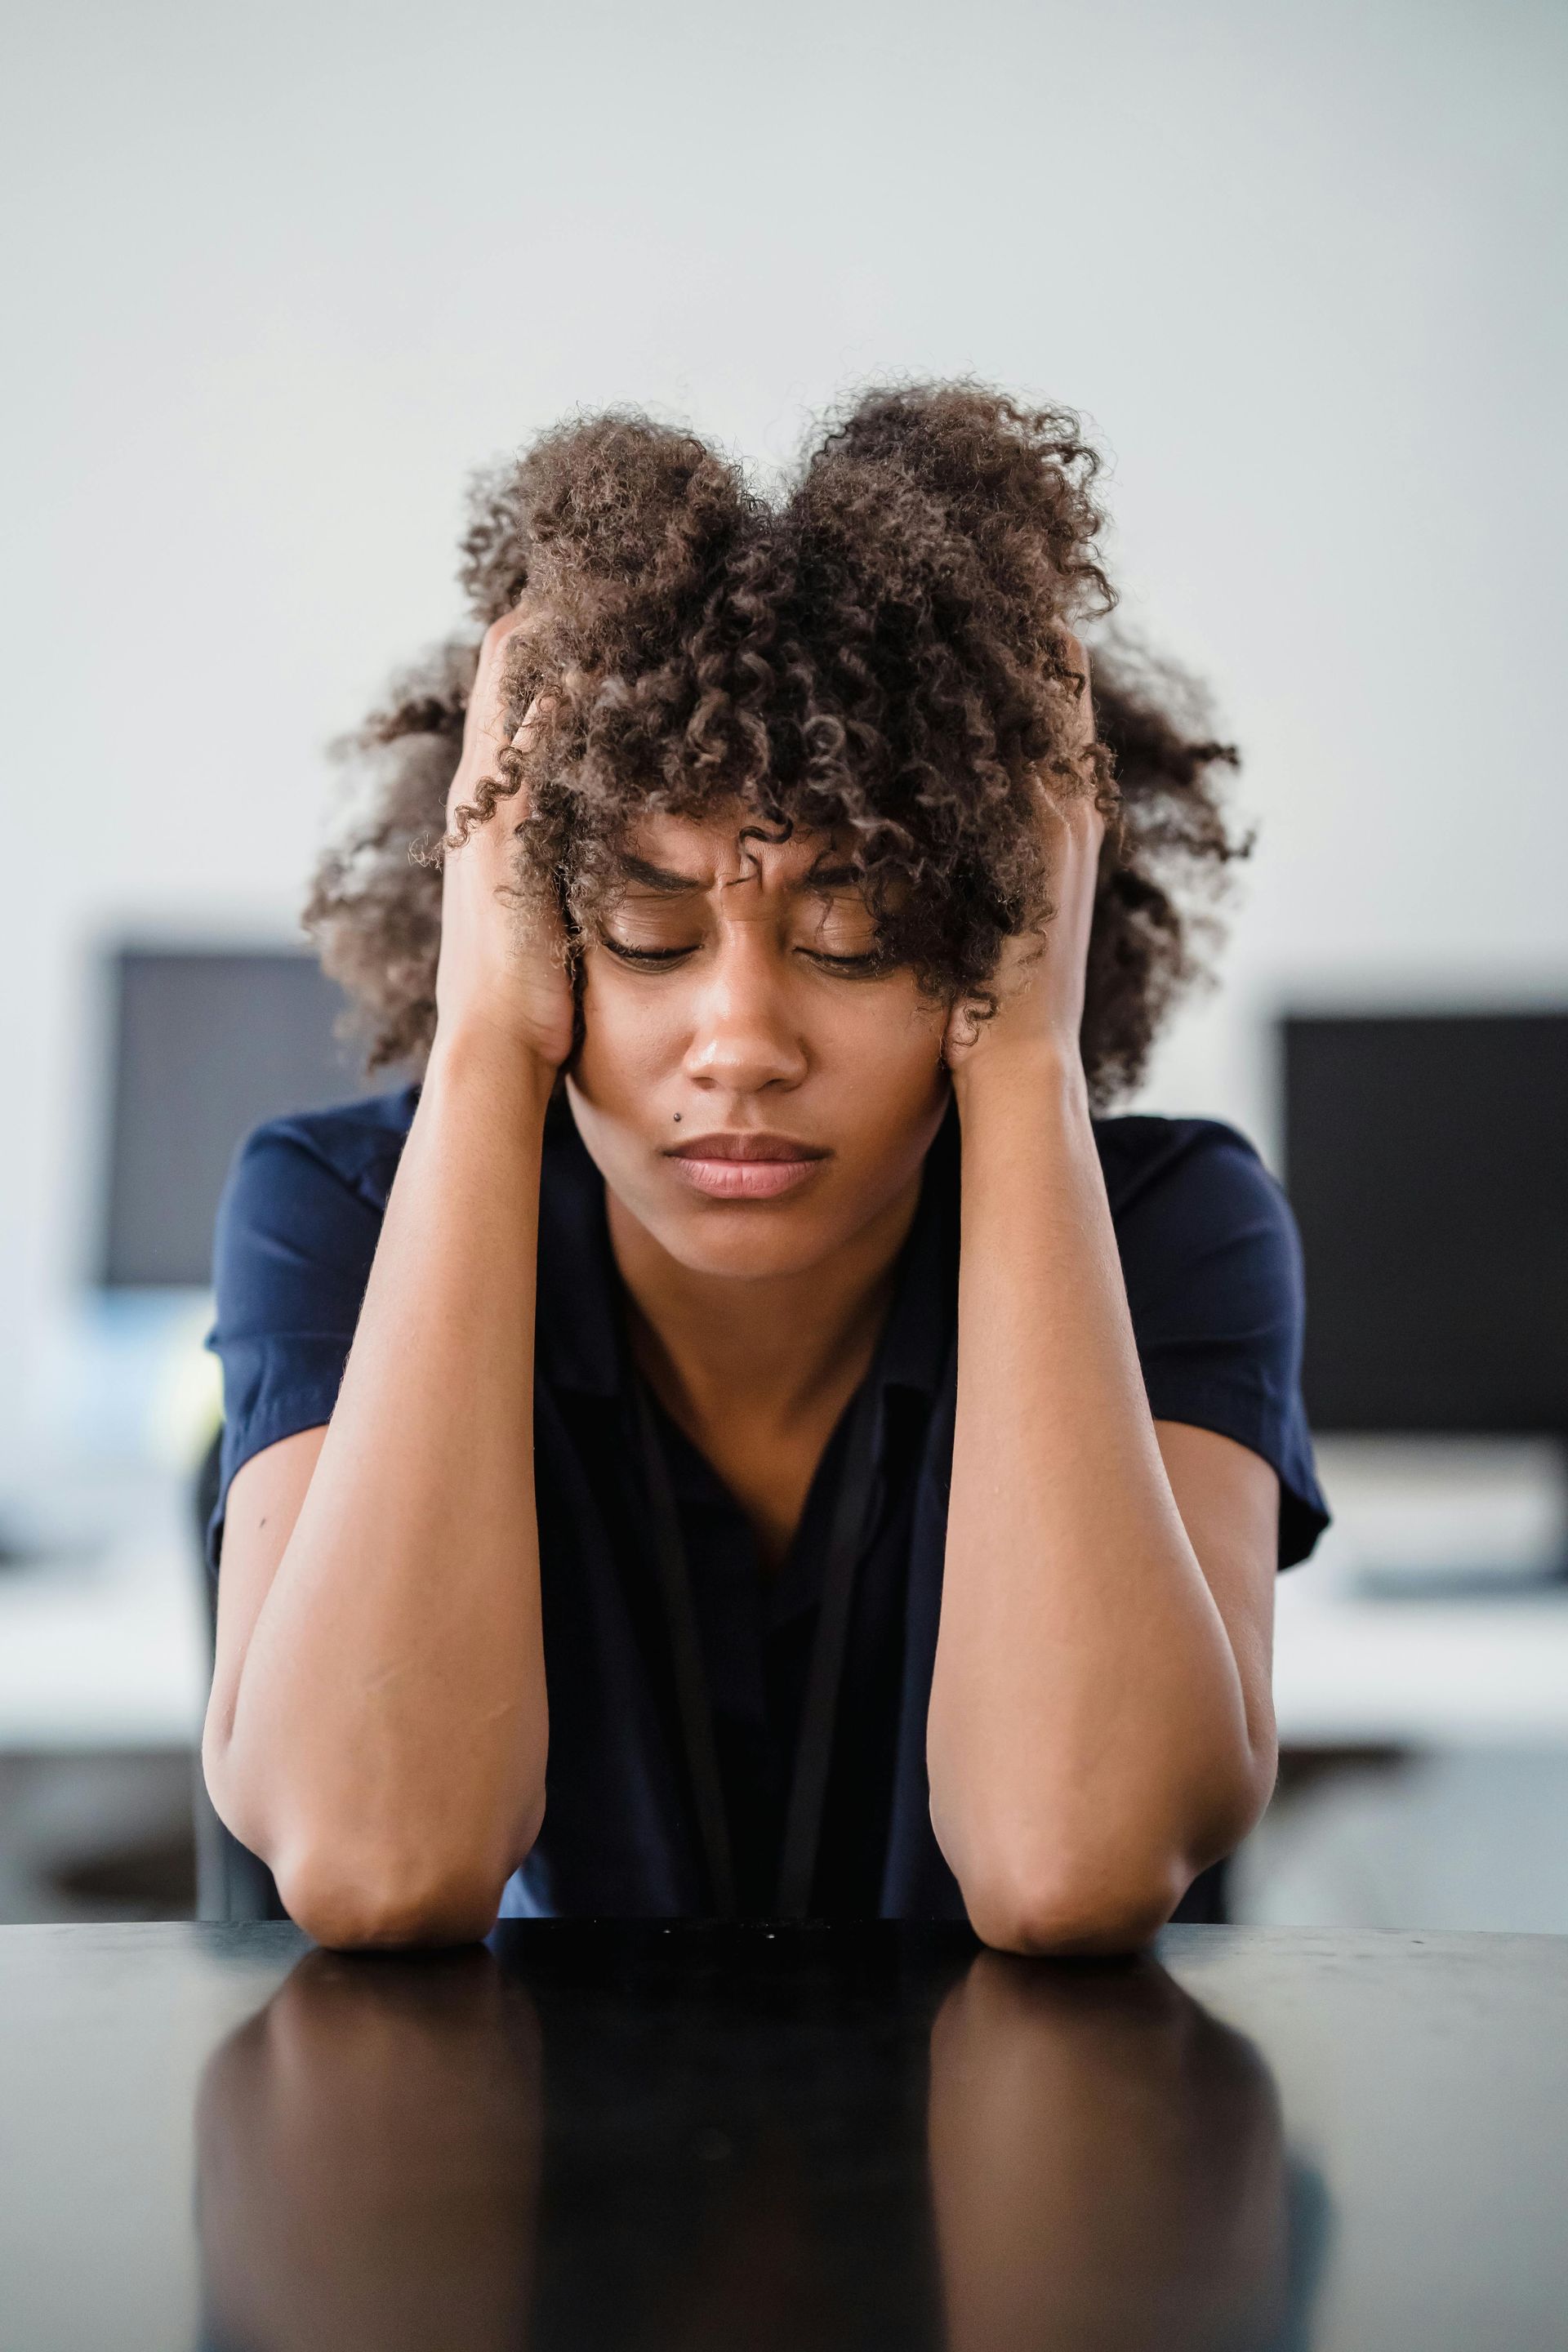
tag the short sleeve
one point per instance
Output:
(1212, 1260)
(292, 1246)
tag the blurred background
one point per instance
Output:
(278, 281)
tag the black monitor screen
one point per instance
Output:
(1426, 1160)
(206, 1044)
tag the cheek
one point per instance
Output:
(885, 1039)
(879, 1056)
(631, 1035)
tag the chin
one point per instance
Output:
(745, 1241)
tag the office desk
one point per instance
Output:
(600, 2136)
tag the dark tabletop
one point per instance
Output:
(735, 2140)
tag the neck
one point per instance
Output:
(781, 1351)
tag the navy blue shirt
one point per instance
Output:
(1211, 1260)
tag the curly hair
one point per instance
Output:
(878, 651)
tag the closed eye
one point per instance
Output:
(872, 961)
(642, 955)
(860, 966)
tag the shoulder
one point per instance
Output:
(301, 1205)
(350, 1146)
(1144, 1156)
(1194, 1194)
(1212, 1263)
(293, 1244)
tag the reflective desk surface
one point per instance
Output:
(732, 2140)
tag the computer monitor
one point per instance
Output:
(207, 1043)
(1427, 1158)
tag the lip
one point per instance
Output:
(745, 1165)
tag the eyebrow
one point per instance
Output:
(672, 885)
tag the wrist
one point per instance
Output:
(1001, 1071)
(474, 1052)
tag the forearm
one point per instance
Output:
(386, 1735)
(1087, 1739)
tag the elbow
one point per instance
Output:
(372, 1902)
(357, 1892)
(355, 1895)
(354, 1889)
(1099, 1888)
(1067, 1912)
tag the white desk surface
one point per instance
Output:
(1350, 1671)
(108, 1650)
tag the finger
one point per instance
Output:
(493, 646)
(519, 616)
(538, 710)
(486, 708)
(1075, 653)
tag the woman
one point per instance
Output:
(913, 1447)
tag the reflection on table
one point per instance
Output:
(740, 2139)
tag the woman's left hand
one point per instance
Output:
(1040, 982)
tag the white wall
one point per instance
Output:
(281, 276)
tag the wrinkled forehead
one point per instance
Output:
(730, 849)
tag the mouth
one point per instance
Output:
(745, 1165)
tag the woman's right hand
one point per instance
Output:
(501, 969)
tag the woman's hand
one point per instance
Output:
(1040, 982)
(502, 967)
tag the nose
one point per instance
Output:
(744, 1036)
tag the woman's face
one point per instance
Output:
(753, 1085)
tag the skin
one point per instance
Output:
(1099, 1725)
(1107, 2166)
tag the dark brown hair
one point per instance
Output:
(878, 650)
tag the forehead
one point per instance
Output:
(730, 847)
